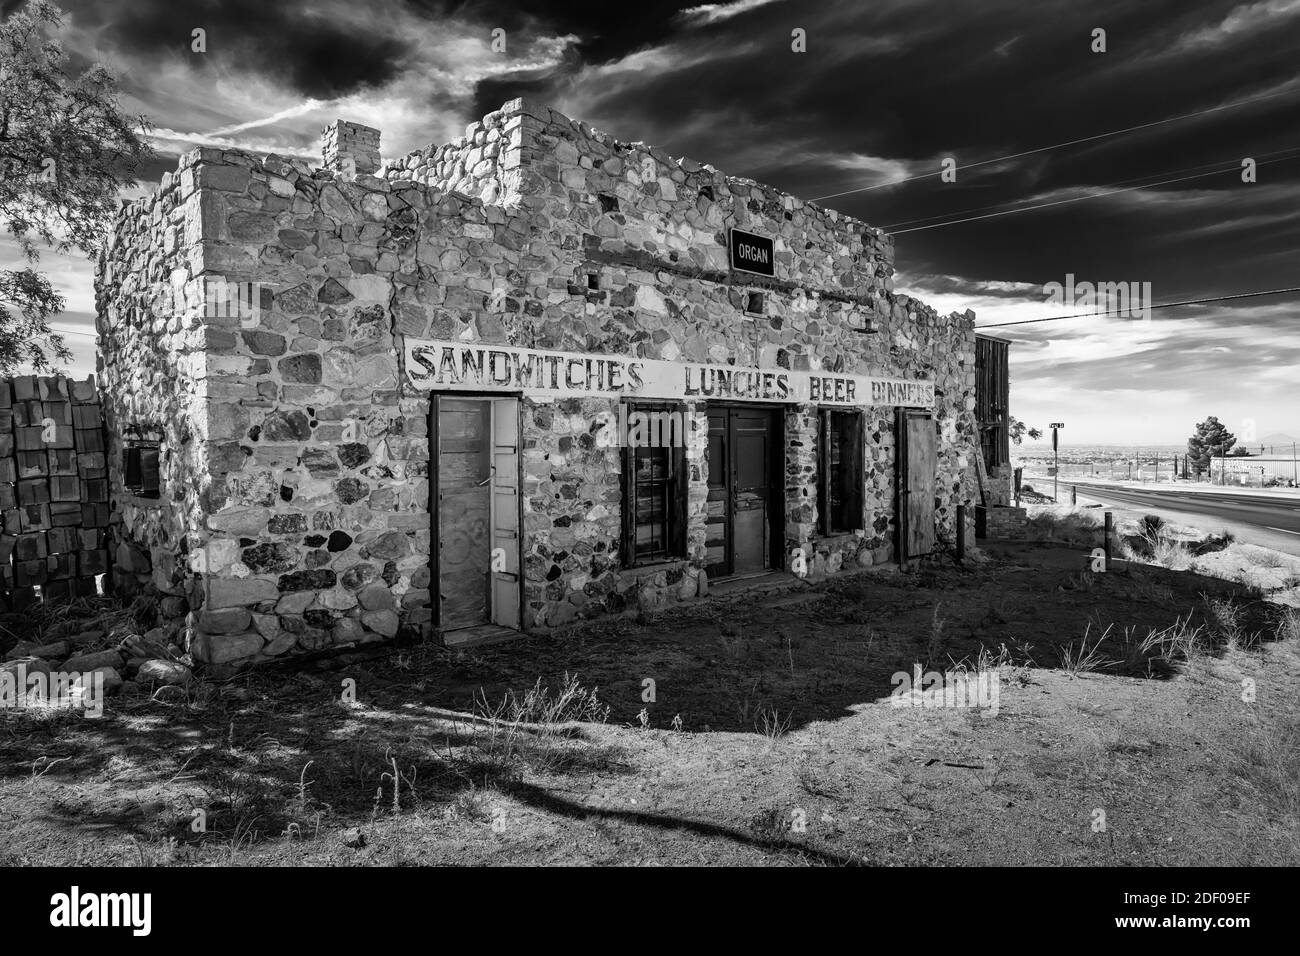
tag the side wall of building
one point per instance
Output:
(316, 528)
(152, 369)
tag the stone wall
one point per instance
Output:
(297, 485)
(652, 231)
(484, 164)
(998, 490)
(153, 371)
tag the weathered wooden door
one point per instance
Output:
(917, 464)
(477, 482)
(505, 507)
(744, 498)
(464, 463)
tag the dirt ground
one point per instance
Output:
(771, 738)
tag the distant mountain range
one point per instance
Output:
(1277, 438)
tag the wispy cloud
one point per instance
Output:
(718, 12)
(1245, 21)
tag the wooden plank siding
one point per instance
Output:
(992, 399)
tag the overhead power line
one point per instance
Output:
(1134, 179)
(1071, 142)
(1165, 305)
(1061, 202)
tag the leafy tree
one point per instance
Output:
(1018, 429)
(1210, 438)
(66, 148)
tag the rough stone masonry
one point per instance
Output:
(293, 512)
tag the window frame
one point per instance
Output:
(677, 488)
(142, 469)
(827, 476)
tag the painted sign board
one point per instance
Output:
(478, 367)
(752, 253)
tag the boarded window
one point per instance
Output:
(841, 450)
(654, 482)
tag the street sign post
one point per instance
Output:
(1055, 465)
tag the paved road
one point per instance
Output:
(1268, 522)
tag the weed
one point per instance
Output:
(1288, 624)
(473, 805)
(1075, 528)
(1151, 526)
(771, 825)
(397, 778)
(1147, 588)
(813, 783)
(1076, 661)
(937, 625)
(771, 724)
(538, 705)
(1269, 761)
(1224, 620)
(1083, 580)
(744, 706)
(1168, 553)
(1267, 558)
(531, 728)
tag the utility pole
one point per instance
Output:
(1056, 468)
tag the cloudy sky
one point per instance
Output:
(1130, 157)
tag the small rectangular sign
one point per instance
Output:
(458, 366)
(751, 253)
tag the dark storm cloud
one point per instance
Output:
(921, 81)
(605, 31)
(886, 91)
(304, 44)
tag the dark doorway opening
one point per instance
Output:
(746, 503)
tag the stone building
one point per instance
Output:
(531, 376)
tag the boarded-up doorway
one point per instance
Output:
(916, 474)
(476, 554)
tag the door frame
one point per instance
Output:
(902, 478)
(775, 483)
(435, 547)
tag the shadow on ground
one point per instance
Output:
(269, 755)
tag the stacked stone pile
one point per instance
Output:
(53, 490)
(108, 645)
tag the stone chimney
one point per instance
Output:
(350, 149)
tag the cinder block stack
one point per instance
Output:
(1007, 523)
(53, 490)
